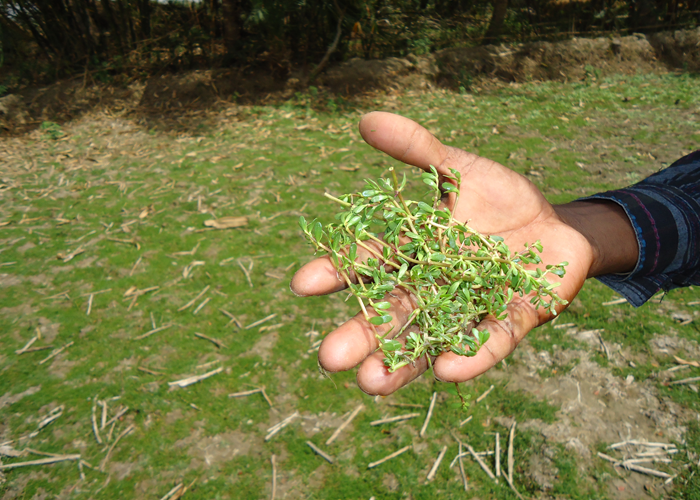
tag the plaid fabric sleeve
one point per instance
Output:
(665, 213)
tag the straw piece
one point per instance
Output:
(231, 317)
(195, 378)
(466, 420)
(214, 341)
(461, 468)
(389, 457)
(245, 393)
(95, 430)
(483, 396)
(27, 345)
(320, 452)
(274, 477)
(191, 302)
(89, 306)
(200, 306)
(119, 415)
(260, 322)
(151, 332)
(42, 461)
(685, 381)
(281, 425)
(480, 462)
(56, 352)
(170, 494)
(109, 452)
(511, 461)
(497, 452)
(342, 426)
(399, 418)
(436, 464)
(430, 414)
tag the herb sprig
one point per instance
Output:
(455, 275)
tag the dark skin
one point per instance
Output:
(595, 238)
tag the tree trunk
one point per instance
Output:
(145, 18)
(232, 29)
(500, 9)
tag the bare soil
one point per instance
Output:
(163, 96)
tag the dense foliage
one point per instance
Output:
(54, 37)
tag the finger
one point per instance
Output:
(404, 140)
(320, 277)
(374, 377)
(351, 343)
(505, 337)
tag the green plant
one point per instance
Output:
(456, 275)
(52, 130)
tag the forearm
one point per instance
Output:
(646, 237)
(608, 230)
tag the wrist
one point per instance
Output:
(609, 232)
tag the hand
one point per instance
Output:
(594, 237)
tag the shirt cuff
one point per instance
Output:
(664, 211)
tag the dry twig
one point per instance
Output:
(389, 457)
(430, 414)
(436, 464)
(398, 418)
(342, 426)
(320, 452)
(195, 378)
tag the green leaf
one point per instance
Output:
(382, 305)
(391, 345)
(380, 320)
(302, 223)
(448, 187)
(402, 270)
(318, 231)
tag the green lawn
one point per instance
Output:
(103, 240)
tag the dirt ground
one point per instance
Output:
(593, 404)
(169, 94)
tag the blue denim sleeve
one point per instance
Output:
(664, 210)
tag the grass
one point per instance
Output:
(133, 195)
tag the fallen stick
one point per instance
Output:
(497, 452)
(109, 452)
(436, 464)
(342, 426)
(170, 494)
(245, 393)
(399, 418)
(281, 425)
(274, 475)
(214, 341)
(480, 462)
(38, 348)
(200, 306)
(430, 414)
(246, 272)
(512, 487)
(644, 470)
(320, 452)
(461, 468)
(614, 302)
(466, 420)
(267, 398)
(95, 430)
(27, 345)
(42, 461)
(511, 460)
(119, 415)
(605, 347)
(103, 420)
(232, 318)
(195, 378)
(146, 370)
(56, 352)
(389, 457)
(483, 396)
(641, 443)
(191, 302)
(685, 381)
(260, 321)
(151, 332)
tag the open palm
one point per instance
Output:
(495, 201)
